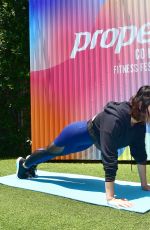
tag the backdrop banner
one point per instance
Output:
(84, 53)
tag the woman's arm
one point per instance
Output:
(110, 194)
(108, 140)
(143, 177)
(109, 187)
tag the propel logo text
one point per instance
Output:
(118, 38)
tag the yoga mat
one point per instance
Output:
(82, 188)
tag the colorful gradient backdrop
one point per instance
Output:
(65, 89)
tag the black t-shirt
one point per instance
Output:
(114, 130)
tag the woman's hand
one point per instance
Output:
(146, 187)
(120, 203)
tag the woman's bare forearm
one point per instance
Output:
(142, 174)
(109, 187)
(110, 196)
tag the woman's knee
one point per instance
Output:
(53, 149)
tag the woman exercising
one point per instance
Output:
(120, 124)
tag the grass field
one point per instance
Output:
(23, 209)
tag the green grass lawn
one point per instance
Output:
(24, 209)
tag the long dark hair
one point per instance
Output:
(140, 103)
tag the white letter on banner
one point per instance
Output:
(94, 38)
(121, 43)
(76, 48)
(114, 32)
(142, 33)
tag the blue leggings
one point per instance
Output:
(74, 138)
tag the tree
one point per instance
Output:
(14, 78)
